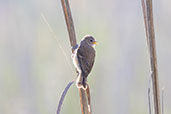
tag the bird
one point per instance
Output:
(83, 60)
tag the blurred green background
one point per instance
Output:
(36, 65)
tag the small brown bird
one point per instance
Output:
(83, 60)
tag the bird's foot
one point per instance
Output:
(80, 85)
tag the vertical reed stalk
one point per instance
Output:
(149, 26)
(73, 42)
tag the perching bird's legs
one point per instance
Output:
(81, 82)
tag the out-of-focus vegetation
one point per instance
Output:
(34, 69)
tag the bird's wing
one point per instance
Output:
(85, 59)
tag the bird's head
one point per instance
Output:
(89, 40)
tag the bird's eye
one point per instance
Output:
(91, 40)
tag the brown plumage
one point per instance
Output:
(83, 60)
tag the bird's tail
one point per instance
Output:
(81, 82)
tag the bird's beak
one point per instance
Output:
(95, 42)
